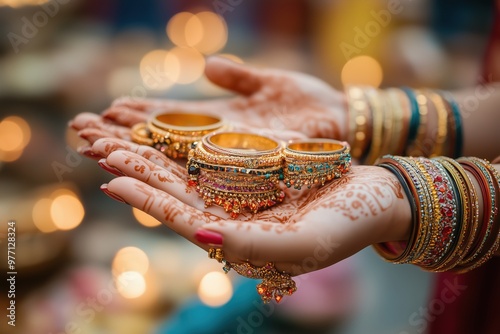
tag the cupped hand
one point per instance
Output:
(310, 230)
(266, 98)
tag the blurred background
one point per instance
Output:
(87, 264)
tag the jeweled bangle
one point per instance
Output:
(445, 227)
(173, 133)
(415, 185)
(465, 218)
(487, 242)
(310, 162)
(426, 209)
(488, 191)
(237, 171)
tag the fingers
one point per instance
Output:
(261, 241)
(124, 116)
(105, 146)
(92, 127)
(180, 217)
(235, 77)
(135, 166)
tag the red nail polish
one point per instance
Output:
(105, 189)
(208, 237)
(104, 165)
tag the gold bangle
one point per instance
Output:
(416, 148)
(378, 124)
(359, 121)
(394, 135)
(141, 135)
(237, 171)
(441, 134)
(315, 161)
(174, 133)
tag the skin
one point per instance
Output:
(361, 209)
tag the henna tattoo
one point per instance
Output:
(361, 193)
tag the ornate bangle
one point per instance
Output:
(465, 215)
(275, 284)
(237, 171)
(173, 133)
(315, 161)
(360, 127)
(486, 245)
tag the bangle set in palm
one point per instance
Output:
(242, 172)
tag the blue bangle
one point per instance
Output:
(415, 115)
(459, 136)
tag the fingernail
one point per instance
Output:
(105, 189)
(71, 124)
(87, 151)
(208, 237)
(104, 165)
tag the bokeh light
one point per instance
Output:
(154, 71)
(42, 217)
(130, 259)
(176, 28)
(208, 32)
(189, 63)
(362, 70)
(15, 134)
(20, 3)
(145, 219)
(215, 289)
(131, 284)
(66, 210)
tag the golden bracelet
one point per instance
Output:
(174, 133)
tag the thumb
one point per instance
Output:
(259, 241)
(233, 76)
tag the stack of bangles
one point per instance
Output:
(242, 171)
(448, 233)
(402, 121)
(174, 133)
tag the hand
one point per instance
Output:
(310, 230)
(274, 99)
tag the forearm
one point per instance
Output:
(479, 107)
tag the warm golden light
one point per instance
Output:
(131, 284)
(145, 219)
(362, 70)
(154, 72)
(176, 28)
(21, 3)
(215, 289)
(194, 31)
(206, 32)
(42, 217)
(130, 259)
(191, 64)
(66, 210)
(15, 134)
